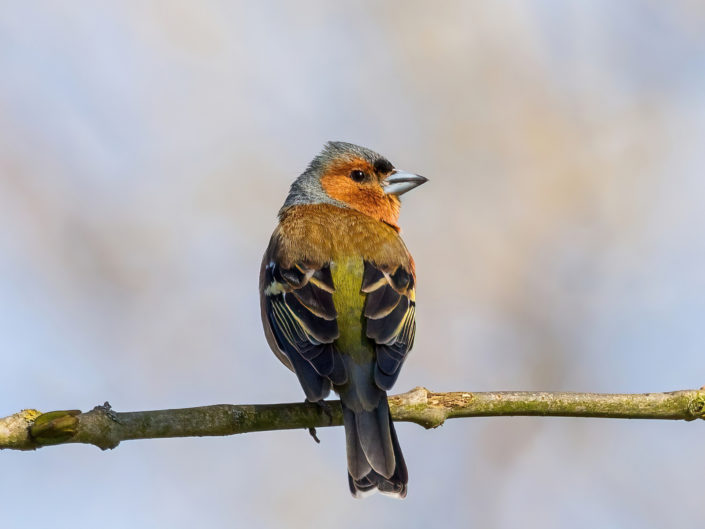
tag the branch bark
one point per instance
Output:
(105, 428)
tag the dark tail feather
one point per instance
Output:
(375, 461)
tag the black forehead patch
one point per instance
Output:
(383, 166)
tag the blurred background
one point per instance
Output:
(145, 148)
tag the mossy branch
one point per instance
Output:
(105, 428)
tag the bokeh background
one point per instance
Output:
(145, 148)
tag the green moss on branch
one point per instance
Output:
(105, 428)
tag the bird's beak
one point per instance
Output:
(400, 182)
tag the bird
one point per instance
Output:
(338, 304)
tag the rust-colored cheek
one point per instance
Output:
(367, 198)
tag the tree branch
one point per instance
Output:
(105, 428)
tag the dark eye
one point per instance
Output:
(357, 175)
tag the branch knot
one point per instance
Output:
(696, 406)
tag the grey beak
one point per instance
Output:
(400, 182)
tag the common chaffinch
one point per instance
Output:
(338, 300)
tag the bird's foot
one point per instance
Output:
(323, 405)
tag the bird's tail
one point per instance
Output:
(375, 461)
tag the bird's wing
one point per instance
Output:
(390, 310)
(298, 304)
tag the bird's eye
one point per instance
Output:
(357, 175)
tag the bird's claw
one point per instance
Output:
(323, 405)
(312, 433)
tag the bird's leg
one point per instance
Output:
(323, 405)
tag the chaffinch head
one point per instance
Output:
(338, 300)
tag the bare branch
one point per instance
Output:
(105, 428)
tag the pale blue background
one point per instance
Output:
(145, 148)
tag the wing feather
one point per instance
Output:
(298, 302)
(390, 311)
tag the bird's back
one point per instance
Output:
(350, 278)
(349, 303)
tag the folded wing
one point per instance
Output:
(390, 310)
(302, 318)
